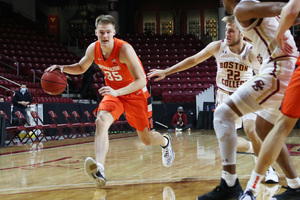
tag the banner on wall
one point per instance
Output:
(53, 26)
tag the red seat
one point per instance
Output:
(78, 127)
(12, 131)
(167, 96)
(156, 90)
(177, 96)
(189, 96)
(33, 132)
(89, 117)
(63, 130)
(89, 126)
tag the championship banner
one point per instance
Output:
(53, 25)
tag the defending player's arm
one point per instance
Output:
(288, 18)
(247, 10)
(254, 62)
(128, 57)
(77, 68)
(187, 63)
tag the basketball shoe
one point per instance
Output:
(289, 194)
(224, 192)
(168, 154)
(271, 176)
(95, 171)
(247, 196)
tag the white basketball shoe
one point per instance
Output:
(168, 154)
(271, 176)
(95, 171)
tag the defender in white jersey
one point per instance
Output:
(264, 91)
(233, 70)
(235, 60)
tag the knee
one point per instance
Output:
(101, 122)
(251, 133)
(221, 129)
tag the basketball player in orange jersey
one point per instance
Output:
(125, 90)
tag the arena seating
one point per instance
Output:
(35, 52)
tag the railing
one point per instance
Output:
(10, 80)
(15, 61)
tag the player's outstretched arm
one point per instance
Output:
(187, 63)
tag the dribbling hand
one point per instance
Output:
(53, 67)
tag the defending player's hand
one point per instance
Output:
(53, 67)
(106, 90)
(283, 44)
(161, 74)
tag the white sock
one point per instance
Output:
(254, 182)
(293, 183)
(229, 178)
(100, 166)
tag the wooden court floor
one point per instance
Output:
(54, 170)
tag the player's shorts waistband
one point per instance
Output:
(225, 91)
(144, 89)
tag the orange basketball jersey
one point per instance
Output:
(117, 75)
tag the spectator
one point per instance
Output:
(20, 100)
(180, 122)
(1, 98)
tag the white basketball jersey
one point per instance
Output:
(233, 69)
(261, 33)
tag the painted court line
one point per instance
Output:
(33, 165)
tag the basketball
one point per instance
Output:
(54, 82)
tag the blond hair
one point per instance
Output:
(104, 19)
(229, 19)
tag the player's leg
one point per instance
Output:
(270, 152)
(241, 102)
(283, 126)
(263, 128)
(109, 110)
(103, 122)
(244, 145)
(143, 123)
(95, 168)
(250, 130)
(224, 125)
(151, 137)
(270, 144)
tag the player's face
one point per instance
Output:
(105, 34)
(233, 35)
